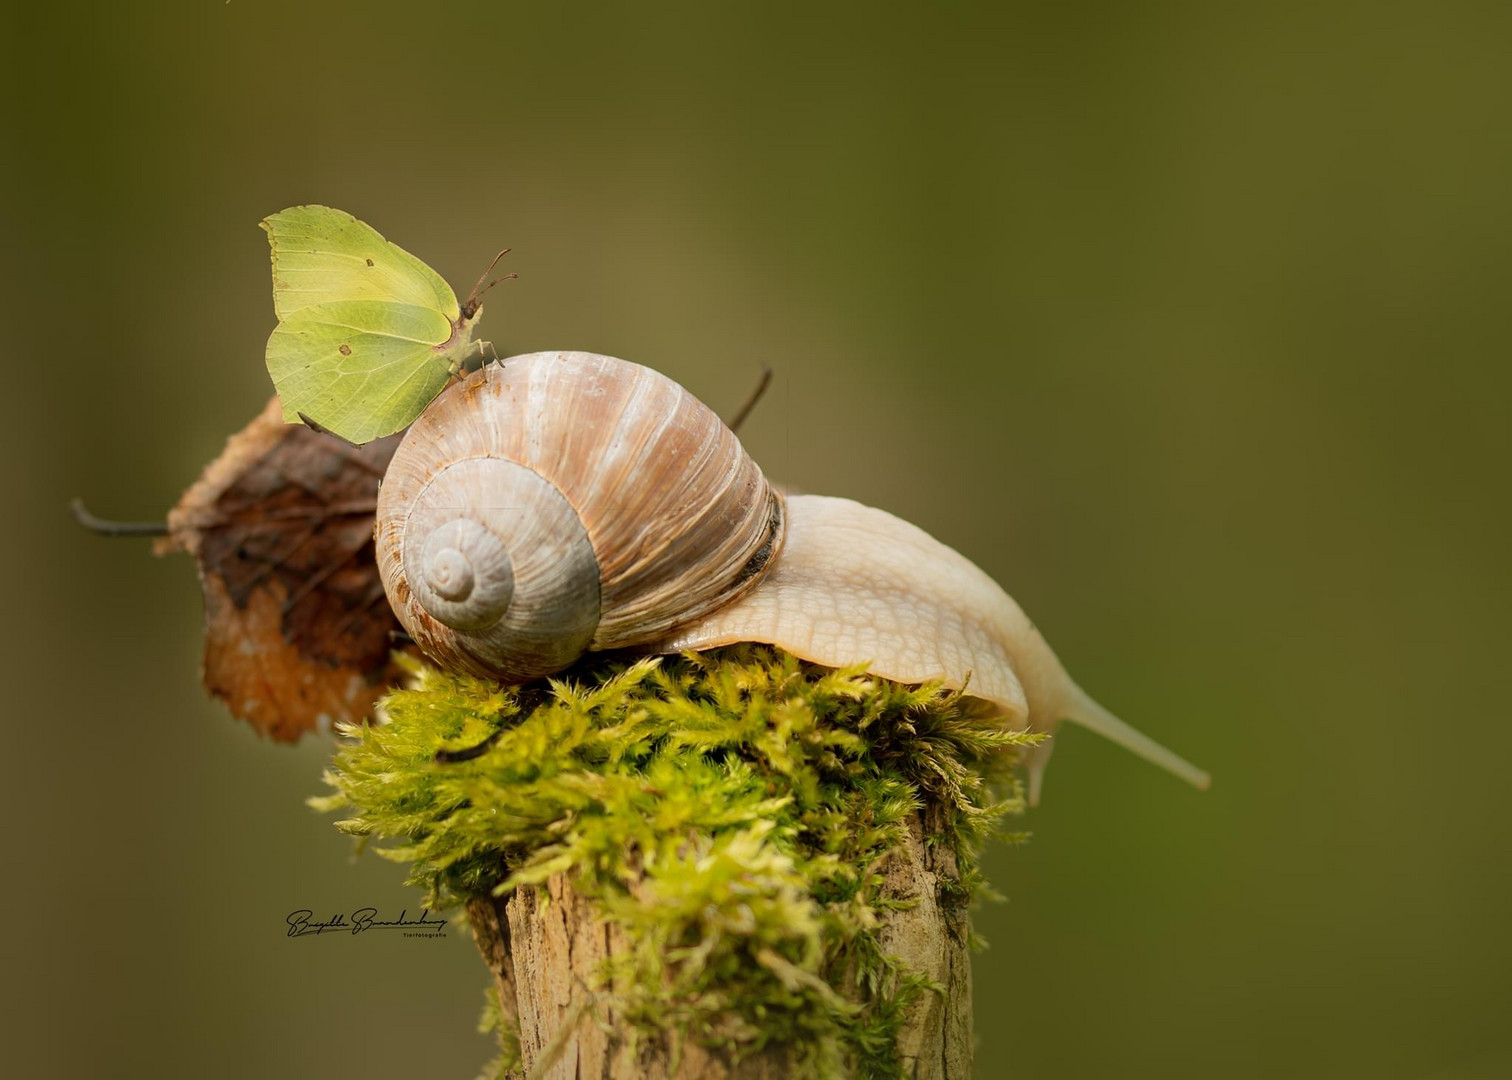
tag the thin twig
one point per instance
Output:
(750, 403)
(115, 528)
(468, 753)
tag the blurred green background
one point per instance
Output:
(1182, 320)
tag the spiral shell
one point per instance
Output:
(562, 503)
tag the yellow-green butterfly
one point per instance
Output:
(367, 334)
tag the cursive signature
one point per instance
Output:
(302, 923)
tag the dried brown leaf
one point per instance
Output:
(297, 628)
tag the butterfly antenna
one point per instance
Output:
(479, 289)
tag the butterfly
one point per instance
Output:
(367, 334)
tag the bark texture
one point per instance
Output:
(544, 955)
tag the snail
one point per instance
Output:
(563, 503)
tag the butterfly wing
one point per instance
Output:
(360, 368)
(321, 255)
(367, 333)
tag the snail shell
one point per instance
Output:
(565, 503)
(571, 502)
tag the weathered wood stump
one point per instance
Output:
(546, 955)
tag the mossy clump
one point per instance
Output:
(729, 810)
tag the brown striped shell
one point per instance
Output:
(567, 502)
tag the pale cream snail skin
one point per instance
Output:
(565, 502)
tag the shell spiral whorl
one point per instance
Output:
(462, 575)
(566, 502)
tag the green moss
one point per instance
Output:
(493, 1022)
(729, 810)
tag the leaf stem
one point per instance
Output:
(115, 528)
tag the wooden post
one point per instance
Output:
(545, 956)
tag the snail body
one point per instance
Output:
(854, 583)
(570, 502)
